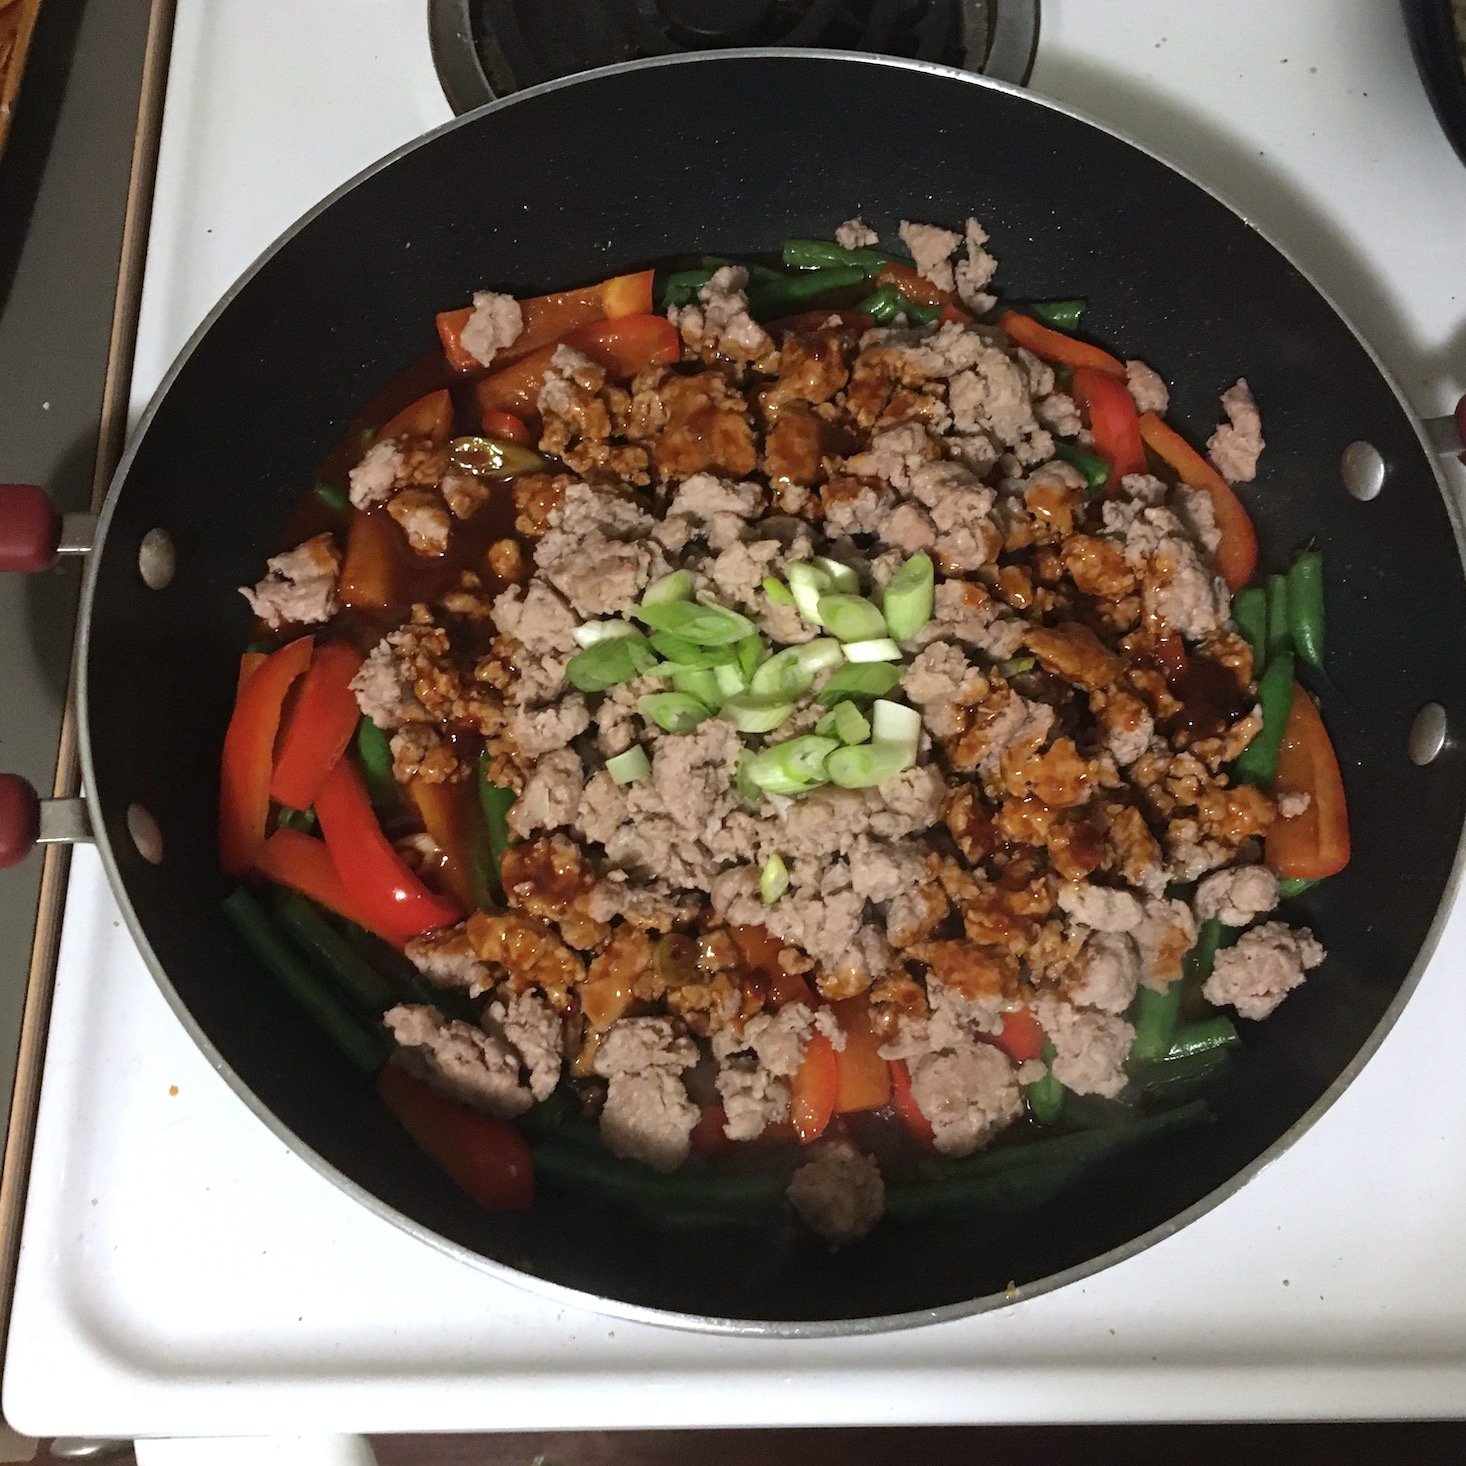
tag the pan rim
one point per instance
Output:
(564, 1295)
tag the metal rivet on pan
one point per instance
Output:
(145, 834)
(1427, 733)
(1363, 470)
(156, 559)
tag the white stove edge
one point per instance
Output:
(1257, 1310)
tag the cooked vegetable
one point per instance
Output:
(851, 618)
(1046, 1097)
(1305, 608)
(319, 727)
(1202, 1036)
(779, 295)
(807, 583)
(371, 575)
(675, 712)
(1236, 555)
(1200, 959)
(453, 819)
(777, 591)
(791, 672)
(674, 587)
(1279, 636)
(882, 649)
(1291, 886)
(702, 625)
(1249, 611)
(300, 862)
(1154, 1016)
(1096, 470)
(495, 802)
(886, 305)
(907, 600)
(333, 496)
(872, 679)
(791, 767)
(1059, 315)
(1313, 844)
(867, 765)
(920, 291)
(863, 1077)
(846, 722)
(247, 764)
(364, 1048)
(815, 254)
(374, 749)
(815, 1088)
(628, 767)
(428, 417)
(1053, 345)
(320, 942)
(609, 662)
(904, 1103)
(371, 870)
(506, 426)
(773, 880)
(1021, 1037)
(591, 632)
(487, 1159)
(1259, 759)
(495, 457)
(1110, 408)
(842, 578)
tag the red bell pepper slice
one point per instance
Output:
(249, 754)
(623, 346)
(549, 317)
(428, 417)
(1113, 420)
(300, 862)
(1020, 1037)
(864, 1077)
(1236, 555)
(815, 1088)
(904, 1103)
(487, 1159)
(249, 664)
(319, 727)
(1315, 843)
(1043, 341)
(374, 875)
(920, 291)
(505, 425)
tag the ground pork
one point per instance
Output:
(1236, 446)
(1165, 933)
(943, 684)
(495, 323)
(447, 959)
(1146, 387)
(856, 234)
(719, 326)
(975, 272)
(838, 1193)
(461, 1061)
(300, 587)
(720, 510)
(375, 478)
(648, 1116)
(969, 1093)
(423, 518)
(931, 248)
(1108, 973)
(596, 552)
(964, 611)
(551, 794)
(1089, 1046)
(532, 1029)
(538, 731)
(1234, 897)
(1100, 907)
(1267, 963)
(650, 904)
(384, 687)
(1177, 589)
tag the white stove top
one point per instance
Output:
(183, 1273)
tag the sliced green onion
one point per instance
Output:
(1094, 468)
(702, 625)
(782, 676)
(851, 618)
(699, 682)
(685, 653)
(594, 631)
(751, 651)
(628, 767)
(334, 497)
(842, 578)
(820, 655)
(773, 881)
(730, 679)
(777, 591)
(846, 722)
(608, 663)
(894, 722)
(882, 649)
(866, 765)
(676, 712)
(751, 714)
(745, 786)
(674, 587)
(792, 767)
(494, 457)
(1015, 666)
(907, 601)
(873, 679)
(807, 583)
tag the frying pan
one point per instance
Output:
(735, 151)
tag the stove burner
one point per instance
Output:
(488, 48)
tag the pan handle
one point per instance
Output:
(27, 820)
(1447, 435)
(33, 534)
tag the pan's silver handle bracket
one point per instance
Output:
(27, 820)
(33, 535)
(1447, 435)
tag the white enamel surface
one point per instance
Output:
(183, 1273)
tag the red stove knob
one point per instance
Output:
(20, 819)
(30, 528)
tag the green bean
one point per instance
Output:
(887, 303)
(1305, 608)
(771, 296)
(681, 286)
(1170, 1078)
(1249, 611)
(1094, 468)
(1046, 1098)
(297, 819)
(365, 1048)
(1062, 315)
(1198, 962)
(816, 254)
(1258, 762)
(1027, 1175)
(319, 941)
(1291, 886)
(1279, 639)
(333, 496)
(1202, 1036)
(1154, 1016)
(375, 751)
(495, 803)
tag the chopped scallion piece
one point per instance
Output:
(610, 662)
(676, 712)
(908, 597)
(777, 591)
(730, 680)
(674, 587)
(687, 654)
(699, 682)
(628, 767)
(594, 631)
(894, 722)
(334, 497)
(1014, 666)
(750, 714)
(882, 649)
(751, 652)
(846, 722)
(792, 767)
(866, 765)
(773, 881)
(873, 679)
(704, 626)
(842, 578)
(807, 583)
(745, 786)
(851, 618)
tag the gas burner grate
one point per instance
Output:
(489, 48)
